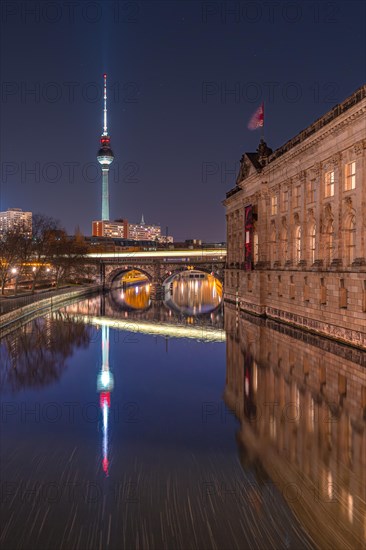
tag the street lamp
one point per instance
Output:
(14, 272)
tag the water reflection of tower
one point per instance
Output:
(105, 383)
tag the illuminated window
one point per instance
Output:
(329, 242)
(285, 201)
(329, 184)
(298, 243)
(311, 191)
(273, 205)
(312, 237)
(284, 243)
(350, 181)
(297, 195)
(351, 240)
(255, 247)
(273, 248)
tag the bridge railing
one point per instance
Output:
(183, 255)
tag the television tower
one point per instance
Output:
(105, 158)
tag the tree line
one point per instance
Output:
(47, 253)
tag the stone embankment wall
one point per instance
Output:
(9, 321)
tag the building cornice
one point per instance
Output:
(311, 141)
(332, 123)
(324, 122)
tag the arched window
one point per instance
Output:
(329, 241)
(351, 240)
(312, 242)
(255, 247)
(284, 243)
(298, 243)
(272, 244)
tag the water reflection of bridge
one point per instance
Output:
(302, 409)
(101, 311)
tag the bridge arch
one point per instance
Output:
(168, 277)
(198, 292)
(158, 270)
(121, 271)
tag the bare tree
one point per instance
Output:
(48, 248)
(44, 229)
(13, 251)
(67, 257)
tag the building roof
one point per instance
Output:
(318, 124)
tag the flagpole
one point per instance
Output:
(263, 120)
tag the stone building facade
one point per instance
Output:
(15, 218)
(296, 227)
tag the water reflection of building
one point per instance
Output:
(302, 410)
(105, 384)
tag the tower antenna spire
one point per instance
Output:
(105, 131)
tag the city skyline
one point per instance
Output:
(224, 205)
(179, 108)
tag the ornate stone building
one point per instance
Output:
(296, 227)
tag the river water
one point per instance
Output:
(128, 423)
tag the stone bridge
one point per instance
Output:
(160, 265)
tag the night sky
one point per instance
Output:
(184, 79)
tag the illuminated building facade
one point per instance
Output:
(123, 230)
(15, 218)
(117, 229)
(296, 231)
(144, 232)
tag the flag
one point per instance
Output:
(257, 119)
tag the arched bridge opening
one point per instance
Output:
(131, 289)
(191, 272)
(126, 276)
(192, 291)
(159, 273)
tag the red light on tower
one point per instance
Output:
(105, 465)
(105, 399)
(105, 141)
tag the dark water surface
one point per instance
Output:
(152, 430)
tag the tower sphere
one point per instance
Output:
(105, 156)
(105, 153)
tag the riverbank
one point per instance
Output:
(12, 302)
(40, 304)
